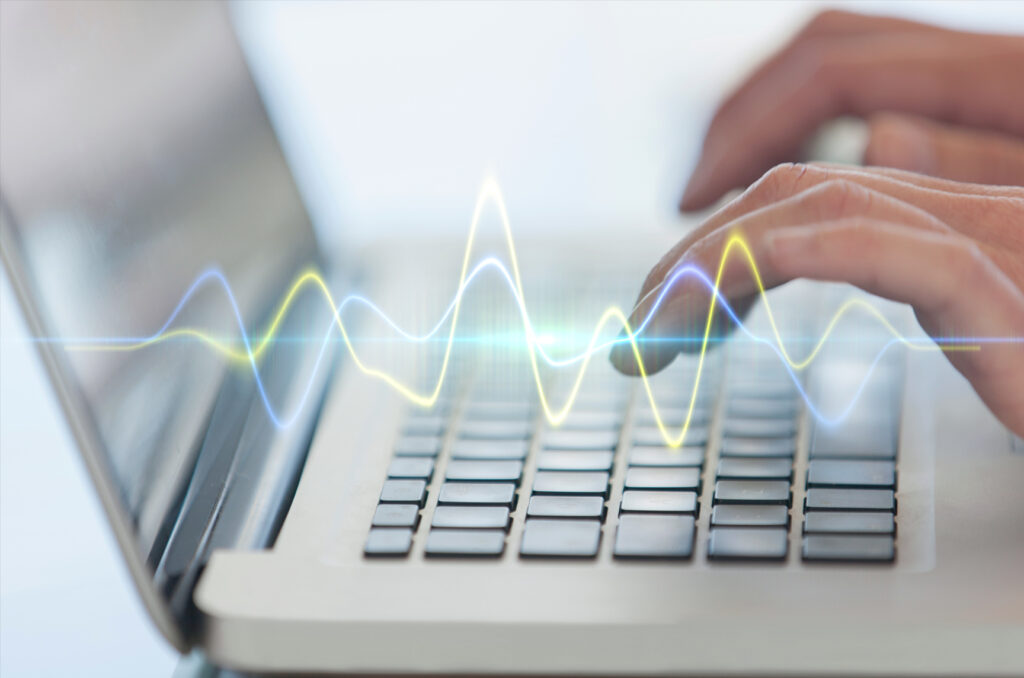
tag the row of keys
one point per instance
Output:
(752, 493)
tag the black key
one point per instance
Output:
(477, 493)
(651, 435)
(752, 492)
(418, 446)
(759, 428)
(556, 506)
(490, 449)
(499, 410)
(592, 420)
(658, 501)
(482, 429)
(480, 517)
(478, 543)
(425, 425)
(411, 467)
(570, 482)
(845, 473)
(460, 469)
(654, 536)
(755, 469)
(666, 456)
(388, 541)
(838, 522)
(860, 438)
(574, 461)
(561, 538)
(850, 548)
(828, 499)
(781, 388)
(641, 478)
(761, 408)
(673, 417)
(397, 515)
(581, 440)
(758, 447)
(404, 491)
(737, 543)
(750, 515)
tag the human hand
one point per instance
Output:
(953, 251)
(940, 102)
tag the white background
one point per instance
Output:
(589, 115)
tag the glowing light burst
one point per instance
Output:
(535, 343)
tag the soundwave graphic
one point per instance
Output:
(490, 193)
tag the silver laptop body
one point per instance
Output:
(299, 512)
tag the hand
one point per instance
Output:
(940, 102)
(954, 251)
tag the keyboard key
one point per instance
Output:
(425, 425)
(404, 491)
(755, 469)
(828, 499)
(761, 408)
(561, 538)
(556, 506)
(477, 493)
(397, 515)
(574, 461)
(411, 467)
(735, 543)
(478, 543)
(838, 522)
(759, 428)
(844, 473)
(752, 492)
(581, 440)
(388, 541)
(490, 449)
(663, 478)
(570, 482)
(758, 447)
(495, 517)
(513, 409)
(849, 548)
(666, 456)
(658, 501)
(696, 436)
(418, 446)
(673, 416)
(654, 536)
(782, 388)
(460, 469)
(861, 438)
(482, 429)
(592, 420)
(750, 515)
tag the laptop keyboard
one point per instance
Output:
(605, 473)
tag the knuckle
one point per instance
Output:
(826, 21)
(781, 181)
(834, 198)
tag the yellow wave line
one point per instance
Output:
(490, 192)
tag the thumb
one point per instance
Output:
(947, 151)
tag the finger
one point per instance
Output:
(956, 204)
(733, 268)
(961, 154)
(958, 77)
(954, 287)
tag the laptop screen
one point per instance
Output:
(140, 174)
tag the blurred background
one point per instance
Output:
(590, 115)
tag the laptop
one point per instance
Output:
(396, 499)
